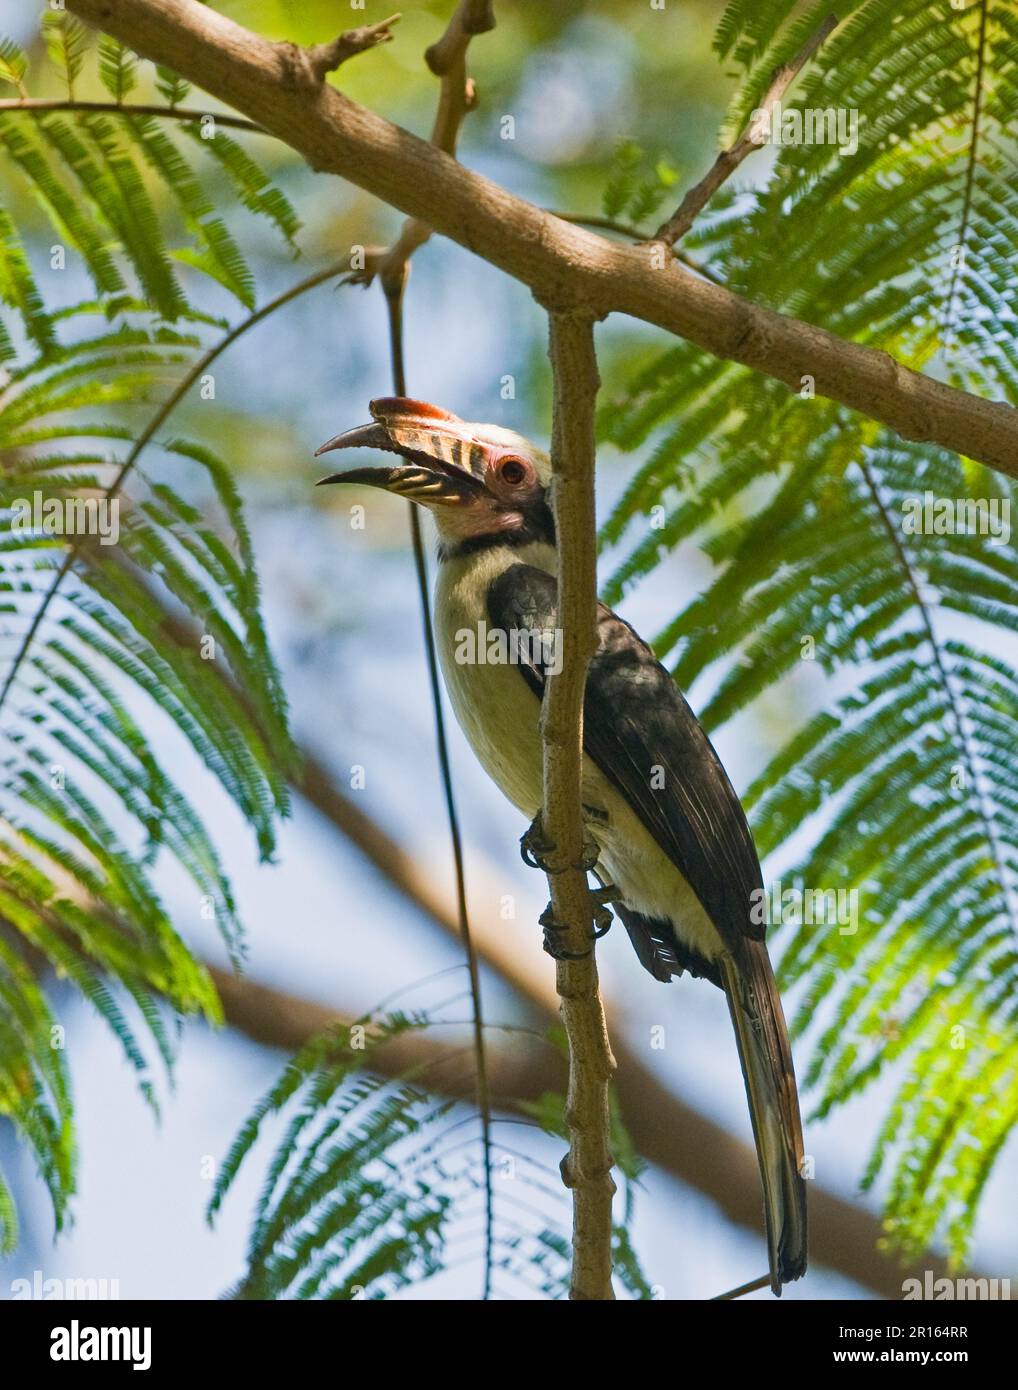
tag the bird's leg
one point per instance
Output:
(535, 848)
(552, 927)
(602, 922)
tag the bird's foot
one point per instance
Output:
(602, 920)
(535, 848)
(533, 845)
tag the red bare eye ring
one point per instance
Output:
(512, 471)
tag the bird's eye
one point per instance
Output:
(512, 471)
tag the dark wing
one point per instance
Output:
(659, 949)
(641, 733)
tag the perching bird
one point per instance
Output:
(671, 837)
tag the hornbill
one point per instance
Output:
(669, 837)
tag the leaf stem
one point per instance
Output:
(983, 809)
(973, 159)
(119, 108)
(697, 198)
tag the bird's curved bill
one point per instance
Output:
(442, 464)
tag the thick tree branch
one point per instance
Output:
(521, 1070)
(609, 224)
(729, 160)
(587, 1167)
(336, 135)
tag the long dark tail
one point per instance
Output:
(766, 1058)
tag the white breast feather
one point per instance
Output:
(499, 713)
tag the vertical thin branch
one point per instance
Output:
(447, 60)
(586, 1168)
(394, 286)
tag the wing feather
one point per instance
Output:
(641, 733)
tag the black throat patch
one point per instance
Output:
(538, 525)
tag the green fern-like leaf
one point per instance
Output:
(13, 65)
(250, 183)
(117, 68)
(369, 1187)
(109, 649)
(94, 666)
(634, 187)
(101, 179)
(67, 43)
(172, 88)
(904, 786)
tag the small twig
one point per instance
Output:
(394, 292)
(762, 1283)
(471, 17)
(323, 58)
(118, 108)
(608, 224)
(586, 1169)
(447, 59)
(729, 160)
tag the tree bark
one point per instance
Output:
(587, 1167)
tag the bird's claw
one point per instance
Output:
(603, 920)
(535, 849)
(601, 926)
(551, 928)
(591, 854)
(605, 895)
